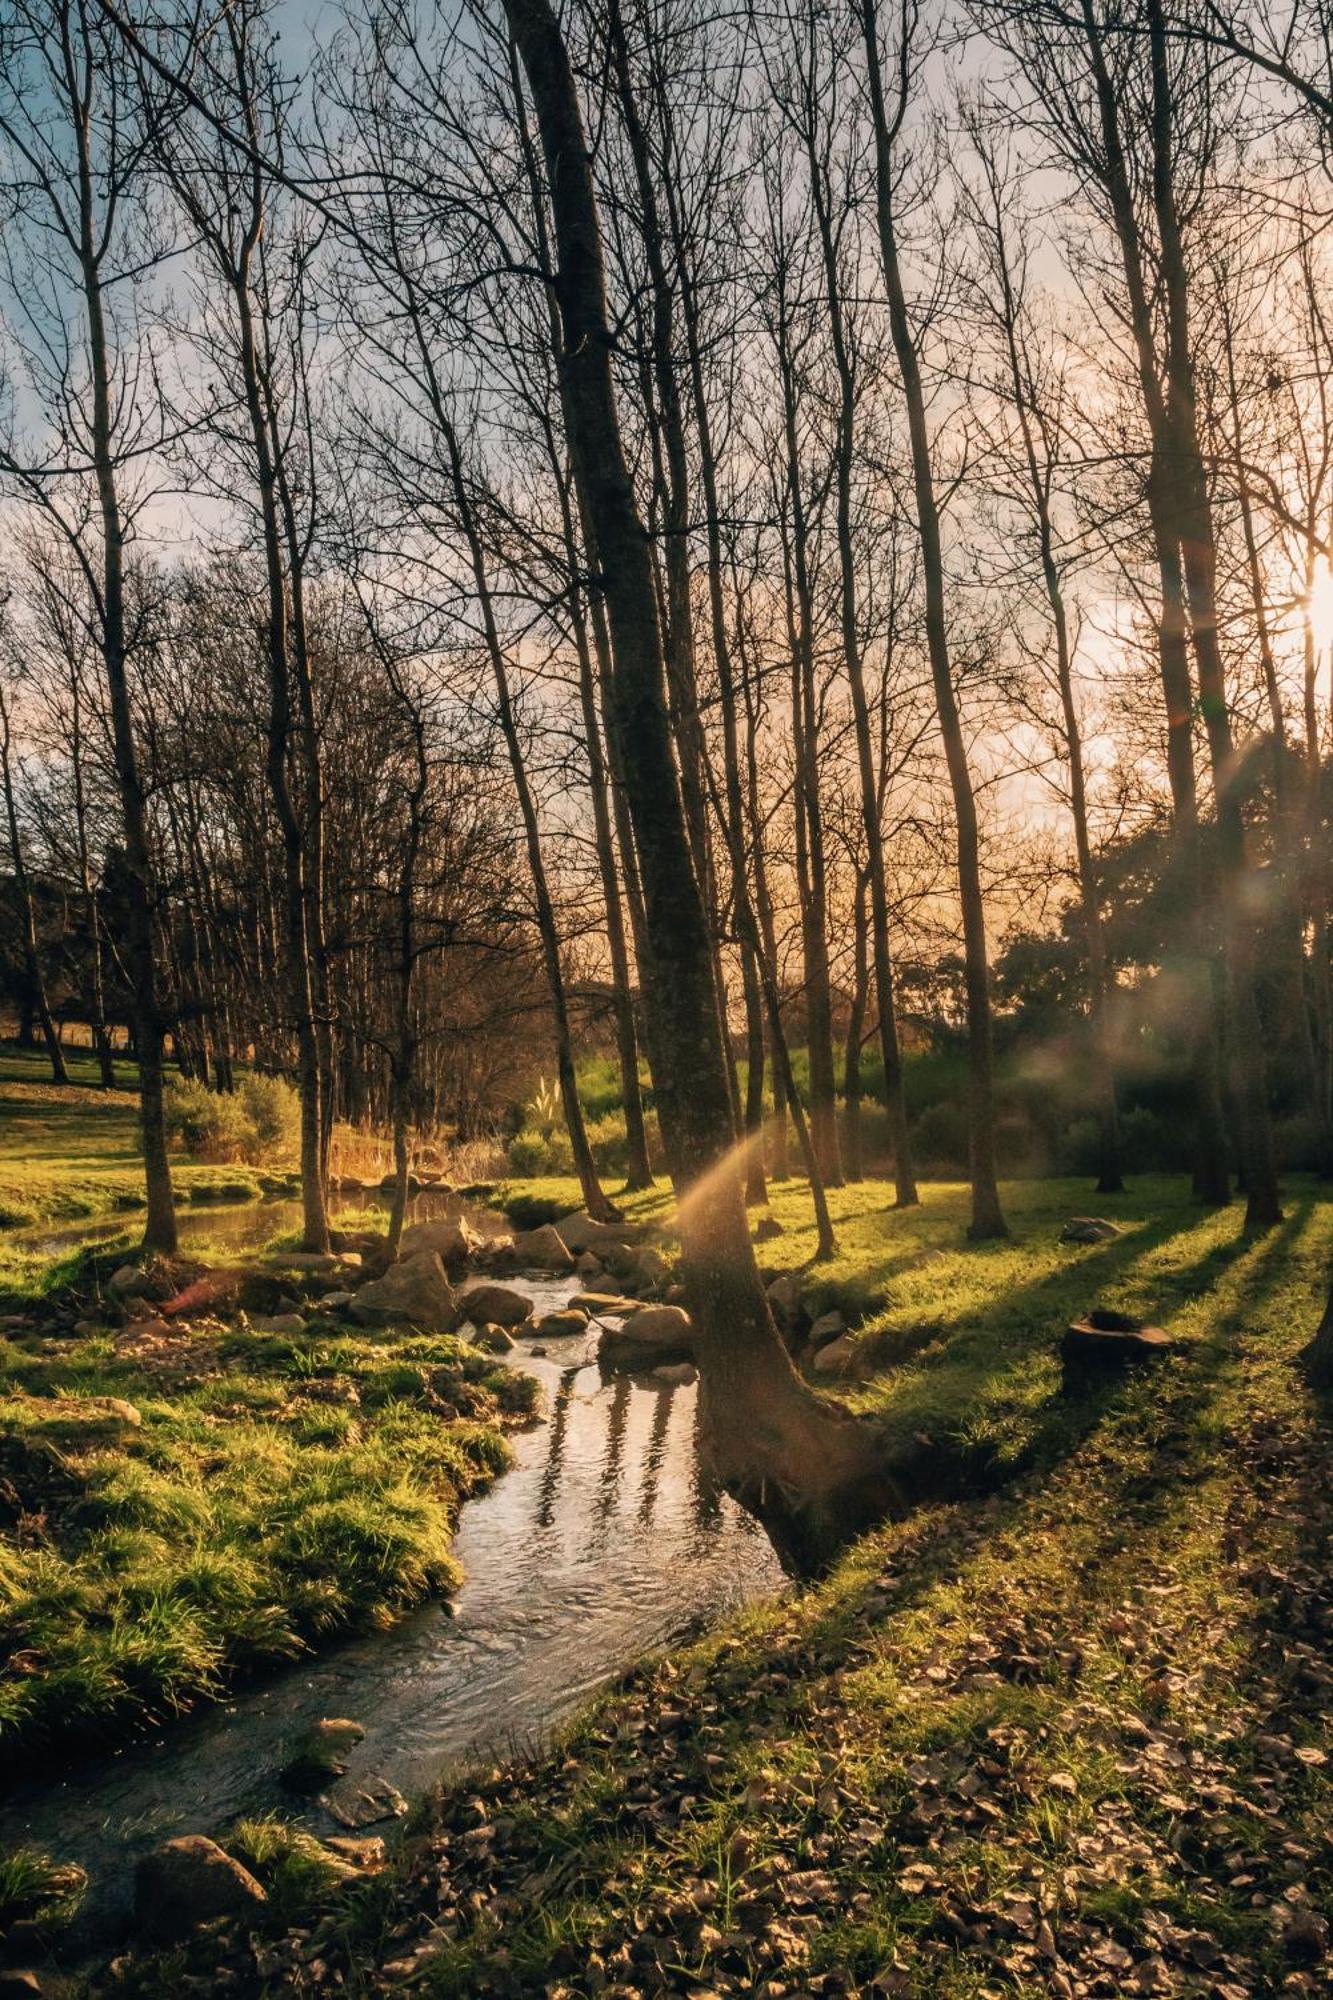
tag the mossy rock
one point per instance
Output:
(321, 1753)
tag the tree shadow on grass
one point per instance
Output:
(985, 1399)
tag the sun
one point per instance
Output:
(1319, 603)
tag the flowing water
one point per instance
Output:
(604, 1541)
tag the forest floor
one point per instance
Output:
(1066, 1736)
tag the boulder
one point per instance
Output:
(336, 1301)
(321, 1753)
(451, 1237)
(622, 1258)
(1104, 1341)
(277, 1323)
(129, 1282)
(561, 1325)
(650, 1266)
(1088, 1229)
(494, 1339)
(650, 1336)
(499, 1305)
(836, 1357)
(190, 1881)
(153, 1328)
(786, 1303)
(356, 1804)
(604, 1305)
(415, 1290)
(542, 1250)
(588, 1267)
(579, 1232)
(827, 1327)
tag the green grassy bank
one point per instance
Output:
(71, 1154)
(181, 1498)
(1068, 1737)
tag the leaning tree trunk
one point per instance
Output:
(810, 1470)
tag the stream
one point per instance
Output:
(604, 1541)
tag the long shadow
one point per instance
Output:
(938, 1545)
(985, 1426)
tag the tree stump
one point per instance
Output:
(1105, 1342)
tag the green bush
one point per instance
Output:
(531, 1153)
(940, 1137)
(208, 1123)
(274, 1111)
(249, 1124)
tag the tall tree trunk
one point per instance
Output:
(987, 1215)
(853, 1149)
(403, 1062)
(811, 873)
(807, 1468)
(895, 1102)
(92, 914)
(1287, 817)
(140, 956)
(32, 963)
(1211, 1175)
(297, 904)
(595, 1200)
(763, 905)
(1198, 545)
(665, 412)
(1109, 1174)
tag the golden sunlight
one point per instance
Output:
(1319, 604)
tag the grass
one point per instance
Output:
(1024, 1736)
(243, 1497)
(958, 1339)
(70, 1154)
(1069, 1738)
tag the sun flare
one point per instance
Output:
(1319, 604)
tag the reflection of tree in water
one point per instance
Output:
(652, 1458)
(613, 1465)
(707, 1493)
(555, 1456)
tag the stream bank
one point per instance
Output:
(605, 1540)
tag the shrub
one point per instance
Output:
(208, 1123)
(249, 1124)
(274, 1111)
(940, 1136)
(531, 1154)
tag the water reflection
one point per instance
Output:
(605, 1541)
(550, 1486)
